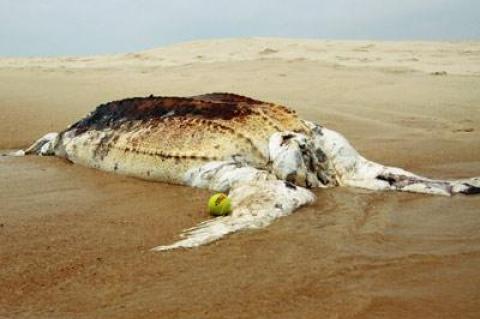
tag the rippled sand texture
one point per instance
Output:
(74, 241)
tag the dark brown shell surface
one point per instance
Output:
(184, 131)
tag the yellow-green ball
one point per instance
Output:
(219, 205)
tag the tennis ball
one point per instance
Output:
(219, 205)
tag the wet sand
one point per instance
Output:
(75, 242)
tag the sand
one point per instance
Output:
(75, 241)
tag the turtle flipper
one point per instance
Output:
(44, 146)
(470, 190)
(356, 171)
(255, 205)
(467, 186)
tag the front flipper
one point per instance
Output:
(255, 205)
(355, 170)
(44, 145)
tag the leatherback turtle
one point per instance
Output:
(262, 154)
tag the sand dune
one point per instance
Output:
(75, 241)
(450, 57)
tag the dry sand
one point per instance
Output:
(74, 241)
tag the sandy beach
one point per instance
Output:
(75, 241)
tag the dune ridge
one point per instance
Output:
(451, 57)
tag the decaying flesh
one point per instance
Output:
(261, 153)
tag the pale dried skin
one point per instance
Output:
(256, 204)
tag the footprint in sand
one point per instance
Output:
(364, 48)
(267, 51)
(408, 60)
(439, 73)
(464, 130)
(296, 60)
